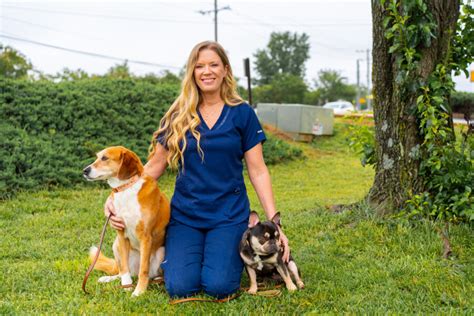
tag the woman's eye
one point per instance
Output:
(198, 66)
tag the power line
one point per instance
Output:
(259, 22)
(145, 19)
(56, 30)
(272, 25)
(296, 24)
(89, 53)
(45, 27)
(104, 16)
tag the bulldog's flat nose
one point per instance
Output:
(86, 170)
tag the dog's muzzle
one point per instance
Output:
(86, 172)
(271, 248)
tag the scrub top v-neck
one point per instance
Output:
(210, 191)
(203, 122)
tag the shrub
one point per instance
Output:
(277, 151)
(284, 88)
(462, 102)
(50, 131)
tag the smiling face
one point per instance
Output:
(209, 71)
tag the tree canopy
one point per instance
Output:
(286, 53)
(13, 64)
(332, 86)
(283, 88)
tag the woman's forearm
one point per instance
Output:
(154, 170)
(156, 165)
(262, 184)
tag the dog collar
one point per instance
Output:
(127, 185)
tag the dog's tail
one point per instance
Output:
(108, 265)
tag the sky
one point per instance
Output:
(155, 36)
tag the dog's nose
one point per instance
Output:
(86, 170)
(272, 248)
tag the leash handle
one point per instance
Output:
(198, 299)
(266, 293)
(91, 267)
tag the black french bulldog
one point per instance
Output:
(261, 251)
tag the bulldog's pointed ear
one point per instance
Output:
(253, 219)
(276, 219)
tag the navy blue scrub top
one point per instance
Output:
(211, 193)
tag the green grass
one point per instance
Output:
(350, 261)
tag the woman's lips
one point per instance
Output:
(207, 80)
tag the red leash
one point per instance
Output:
(91, 267)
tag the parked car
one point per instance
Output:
(340, 107)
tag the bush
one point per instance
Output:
(462, 102)
(284, 88)
(50, 131)
(312, 97)
(277, 151)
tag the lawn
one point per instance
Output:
(350, 261)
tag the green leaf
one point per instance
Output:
(437, 99)
(394, 48)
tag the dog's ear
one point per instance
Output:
(129, 166)
(276, 219)
(253, 219)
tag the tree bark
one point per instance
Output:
(396, 128)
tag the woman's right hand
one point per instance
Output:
(115, 221)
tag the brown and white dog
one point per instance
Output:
(139, 248)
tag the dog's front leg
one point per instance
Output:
(281, 268)
(253, 280)
(294, 271)
(124, 251)
(143, 275)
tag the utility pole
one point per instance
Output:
(215, 20)
(215, 11)
(358, 85)
(249, 80)
(369, 101)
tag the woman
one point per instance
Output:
(204, 135)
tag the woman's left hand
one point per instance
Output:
(286, 247)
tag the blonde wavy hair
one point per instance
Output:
(182, 116)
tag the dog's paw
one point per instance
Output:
(137, 292)
(291, 287)
(300, 284)
(108, 278)
(126, 279)
(93, 251)
(252, 290)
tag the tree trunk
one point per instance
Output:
(396, 128)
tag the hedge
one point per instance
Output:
(462, 102)
(50, 131)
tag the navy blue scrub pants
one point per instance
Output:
(203, 259)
